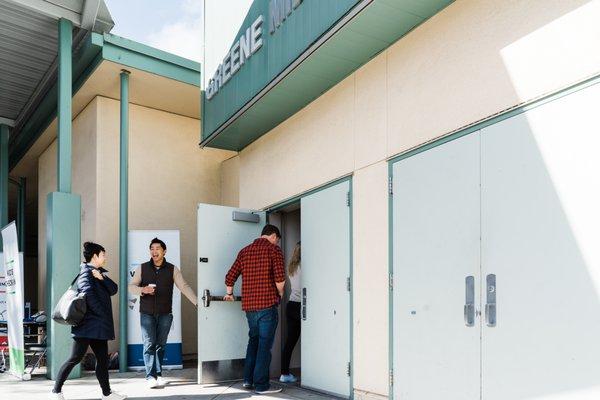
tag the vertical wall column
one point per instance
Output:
(63, 212)
(22, 198)
(3, 177)
(123, 219)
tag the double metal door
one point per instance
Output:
(496, 263)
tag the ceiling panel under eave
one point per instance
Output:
(28, 46)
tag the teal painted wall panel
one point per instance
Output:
(304, 26)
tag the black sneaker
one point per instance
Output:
(248, 386)
(270, 390)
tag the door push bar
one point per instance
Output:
(207, 298)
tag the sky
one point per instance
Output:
(177, 26)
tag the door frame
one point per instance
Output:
(475, 127)
(279, 206)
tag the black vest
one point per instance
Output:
(162, 300)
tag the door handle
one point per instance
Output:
(304, 304)
(207, 298)
(490, 306)
(469, 309)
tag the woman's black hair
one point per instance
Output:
(90, 249)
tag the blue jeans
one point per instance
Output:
(262, 325)
(155, 331)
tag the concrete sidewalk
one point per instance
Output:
(182, 385)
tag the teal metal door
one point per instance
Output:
(222, 327)
(325, 235)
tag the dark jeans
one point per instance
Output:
(155, 331)
(262, 325)
(292, 316)
(80, 346)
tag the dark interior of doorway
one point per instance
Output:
(288, 221)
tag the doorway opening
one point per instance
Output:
(288, 221)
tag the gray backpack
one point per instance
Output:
(71, 307)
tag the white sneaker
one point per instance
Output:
(289, 378)
(114, 396)
(56, 396)
(152, 383)
(161, 382)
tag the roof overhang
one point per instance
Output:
(29, 44)
(158, 80)
(250, 104)
(91, 15)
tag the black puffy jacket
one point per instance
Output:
(98, 321)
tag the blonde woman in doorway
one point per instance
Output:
(292, 317)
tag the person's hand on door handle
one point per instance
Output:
(228, 297)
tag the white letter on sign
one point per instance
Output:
(256, 35)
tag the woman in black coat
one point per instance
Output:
(97, 326)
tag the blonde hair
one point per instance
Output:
(295, 261)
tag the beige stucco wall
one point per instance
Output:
(168, 176)
(83, 182)
(474, 59)
(230, 182)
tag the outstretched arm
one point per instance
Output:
(183, 286)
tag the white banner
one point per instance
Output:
(3, 309)
(14, 300)
(139, 253)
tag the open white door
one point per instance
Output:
(325, 233)
(222, 327)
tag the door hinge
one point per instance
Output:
(349, 369)
(391, 281)
(391, 186)
(391, 377)
(348, 199)
(348, 284)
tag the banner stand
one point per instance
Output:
(13, 272)
(139, 253)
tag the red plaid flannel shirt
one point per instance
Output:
(261, 264)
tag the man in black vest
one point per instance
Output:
(153, 281)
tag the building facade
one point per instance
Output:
(436, 159)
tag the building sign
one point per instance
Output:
(249, 43)
(240, 52)
(279, 10)
(273, 36)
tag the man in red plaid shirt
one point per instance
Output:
(261, 265)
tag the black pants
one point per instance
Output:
(80, 346)
(292, 312)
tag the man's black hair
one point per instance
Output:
(90, 249)
(268, 230)
(158, 241)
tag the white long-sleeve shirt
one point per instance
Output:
(295, 286)
(135, 288)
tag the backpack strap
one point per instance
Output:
(75, 280)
